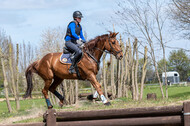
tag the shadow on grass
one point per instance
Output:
(178, 95)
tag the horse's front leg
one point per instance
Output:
(97, 86)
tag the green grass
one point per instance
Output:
(177, 94)
(174, 92)
(37, 119)
(26, 107)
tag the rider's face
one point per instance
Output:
(78, 20)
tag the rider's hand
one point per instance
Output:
(84, 41)
(79, 41)
(81, 46)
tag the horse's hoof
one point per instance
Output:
(61, 104)
(50, 107)
(107, 104)
(90, 97)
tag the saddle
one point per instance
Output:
(66, 58)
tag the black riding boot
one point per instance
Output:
(72, 68)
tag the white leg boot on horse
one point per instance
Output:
(97, 86)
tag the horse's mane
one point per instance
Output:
(93, 42)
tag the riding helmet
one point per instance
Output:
(77, 14)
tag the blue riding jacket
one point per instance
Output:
(72, 26)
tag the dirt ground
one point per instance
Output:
(34, 113)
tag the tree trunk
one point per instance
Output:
(17, 78)
(104, 76)
(128, 66)
(143, 72)
(113, 88)
(122, 83)
(118, 79)
(76, 92)
(134, 93)
(156, 69)
(119, 76)
(133, 82)
(136, 70)
(5, 83)
(66, 94)
(12, 76)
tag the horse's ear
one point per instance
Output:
(116, 33)
(110, 33)
(113, 34)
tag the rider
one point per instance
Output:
(73, 37)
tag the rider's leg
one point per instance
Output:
(74, 49)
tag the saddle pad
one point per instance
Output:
(65, 58)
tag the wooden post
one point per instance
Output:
(51, 117)
(186, 113)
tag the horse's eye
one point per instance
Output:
(113, 42)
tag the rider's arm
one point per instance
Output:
(72, 27)
(81, 35)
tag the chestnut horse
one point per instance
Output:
(49, 68)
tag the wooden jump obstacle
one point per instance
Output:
(149, 116)
(157, 116)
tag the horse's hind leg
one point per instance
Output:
(45, 92)
(53, 87)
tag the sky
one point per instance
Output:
(25, 20)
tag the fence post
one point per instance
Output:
(186, 113)
(51, 117)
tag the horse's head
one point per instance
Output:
(112, 45)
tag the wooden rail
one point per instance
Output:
(157, 116)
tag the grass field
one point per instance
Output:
(36, 107)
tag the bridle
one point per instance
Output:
(106, 51)
(113, 50)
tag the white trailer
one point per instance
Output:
(172, 77)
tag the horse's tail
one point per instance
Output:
(31, 69)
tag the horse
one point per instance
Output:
(53, 72)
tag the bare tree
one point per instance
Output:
(180, 13)
(144, 70)
(17, 76)
(144, 20)
(104, 75)
(12, 76)
(113, 88)
(76, 92)
(136, 69)
(51, 41)
(3, 57)
(5, 82)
